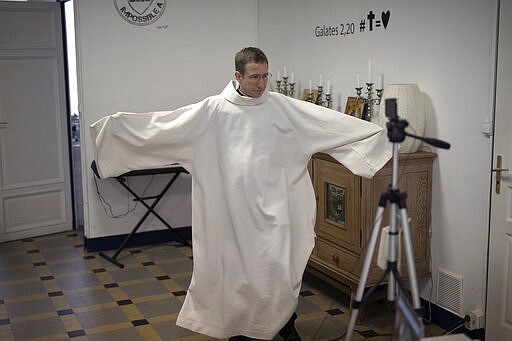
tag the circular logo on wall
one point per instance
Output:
(140, 12)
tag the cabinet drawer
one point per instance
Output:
(345, 263)
(335, 257)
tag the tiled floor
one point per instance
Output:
(51, 289)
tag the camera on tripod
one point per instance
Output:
(398, 210)
(396, 126)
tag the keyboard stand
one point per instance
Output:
(121, 179)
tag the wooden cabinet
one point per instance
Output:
(346, 207)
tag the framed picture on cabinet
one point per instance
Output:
(335, 203)
(356, 106)
(314, 95)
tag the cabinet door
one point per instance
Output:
(338, 194)
(414, 178)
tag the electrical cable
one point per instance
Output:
(452, 329)
(319, 327)
(334, 306)
(431, 287)
(107, 207)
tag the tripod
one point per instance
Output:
(396, 134)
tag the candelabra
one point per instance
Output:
(370, 100)
(285, 88)
(320, 100)
(316, 96)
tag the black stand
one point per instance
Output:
(150, 208)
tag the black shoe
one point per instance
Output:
(293, 336)
(238, 338)
(288, 332)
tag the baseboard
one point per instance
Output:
(138, 239)
(449, 321)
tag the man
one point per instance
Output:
(253, 204)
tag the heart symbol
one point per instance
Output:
(140, 6)
(385, 18)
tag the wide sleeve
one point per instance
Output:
(133, 141)
(361, 146)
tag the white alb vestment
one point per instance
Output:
(253, 204)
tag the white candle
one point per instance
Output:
(285, 74)
(278, 75)
(328, 86)
(358, 80)
(380, 81)
(310, 86)
(320, 81)
(292, 78)
(369, 71)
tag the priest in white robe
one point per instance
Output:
(253, 204)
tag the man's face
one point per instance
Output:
(255, 79)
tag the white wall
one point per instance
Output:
(186, 55)
(448, 49)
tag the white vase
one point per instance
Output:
(410, 107)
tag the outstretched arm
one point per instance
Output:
(132, 141)
(361, 146)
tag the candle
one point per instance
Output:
(320, 81)
(285, 74)
(358, 80)
(369, 71)
(278, 75)
(328, 87)
(380, 81)
(292, 78)
(310, 86)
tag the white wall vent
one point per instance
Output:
(450, 291)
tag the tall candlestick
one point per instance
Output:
(292, 78)
(310, 86)
(320, 81)
(369, 71)
(358, 80)
(285, 74)
(328, 91)
(380, 81)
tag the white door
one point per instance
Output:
(35, 196)
(499, 287)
